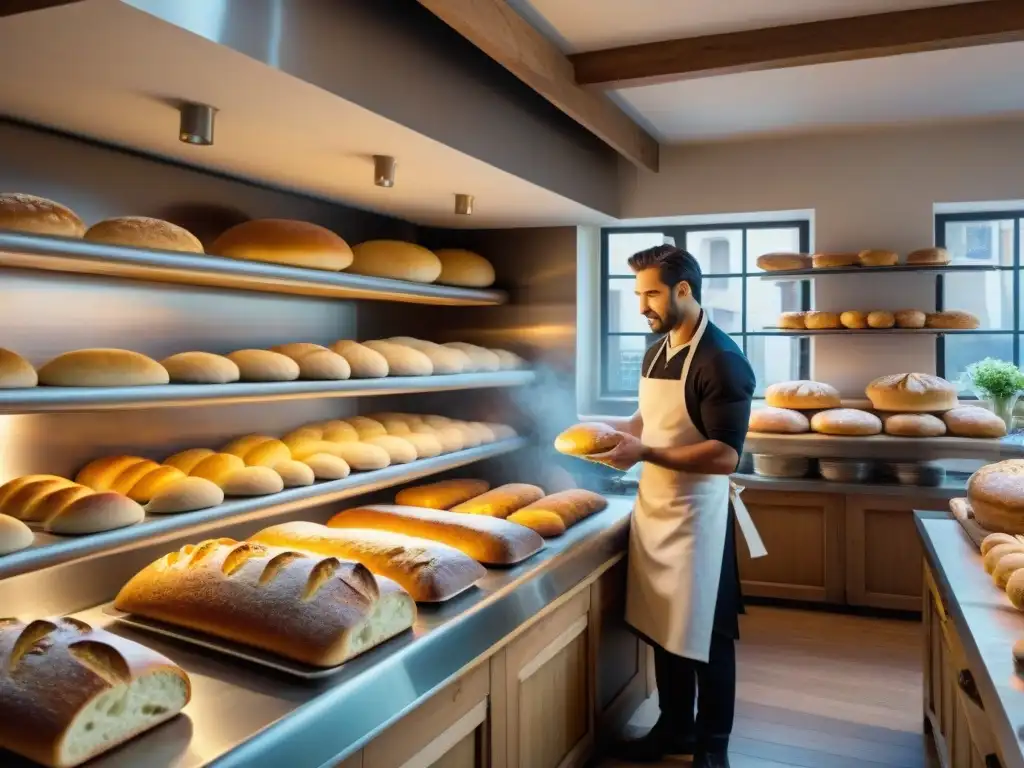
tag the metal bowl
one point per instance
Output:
(917, 473)
(769, 465)
(845, 470)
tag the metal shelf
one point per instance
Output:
(59, 254)
(810, 274)
(50, 550)
(877, 332)
(50, 399)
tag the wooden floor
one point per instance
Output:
(821, 690)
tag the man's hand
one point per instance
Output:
(628, 452)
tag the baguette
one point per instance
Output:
(485, 539)
(102, 368)
(443, 494)
(69, 692)
(365, 363)
(554, 514)
(316, 610)
(15, 371)
(429, 571)
(501, 501)
(316, 363)
(200, 368)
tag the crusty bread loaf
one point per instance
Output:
(15, 535)
(881, 318)
(445, 360)
(974, 421)
(443, 494)
(402, 361)
(909, 318)
(781, 421)
(38, 216)
(501, 501)
(429, 571)
(144, 232)
(102, 368)
(833, 260)
(314, 609)
(200, 368)
(365, 363)
(914, 425)
(316, 363)
(94, 513)
(464, 268)
(996, 538)
(952, 319)
(264, 365)
(996, 494)
(15, 371)
(186, 495)
(483, 360)
(69, 692)
(774, 262)
(854, 319)
(793, 321)
(296, 474)
(924, 256)
(587, 439)
(846, 421)
(282, 241)
(911, 393)
(820, 321)
(565, 507)
(259, 450)
(399, 450)
(487, 540)
(802, 395)
(878, 258)
(397, 260)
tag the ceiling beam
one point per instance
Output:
(496, 29)
(818, 42)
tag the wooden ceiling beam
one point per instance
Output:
(819, 42)
(499, 31)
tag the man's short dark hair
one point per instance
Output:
(674, 266)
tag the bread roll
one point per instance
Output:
(316, 363)
(144, 232)
(487, 540)
(264, 365)
(295, 474)
(365, 427)
(909, 318)
(1006, 567)
(427, 446)
(139, 476)
(443, 494)
(914, 425)
(929, 256)
(397, 260)
(774, 262)
(502, 431)
(339, 431)
(38, 500)
(364, 362)
(501, 501)
(996, 494)
(820, 321)
(11, 487)
(802, 395)
(872, 258)
(881, 319)
(778, 421)
(993, 557)
(69, 692)
(996, 538)
(102, 368)
(252, 481)
(187, 460)
(328, 467)
(794, 321)
(259, 450)
(554, 514)
(186, 495)
(953, 319)
(282, 241)
(451, 439)
(38, 216)
(1015, 591)
(833, 260)
(508, 361)
(483, 360)
(402, 361)
(911, 392)
(444, 360)
(587, 439)
(321, 611)
(15, 371)
(974, 421)
(393, 424)
(361, 457)
(101, 474)
(95, 513)
(200, 368)
(429, 571)
(217, 467)
(471, 438)
(400, 450)
(464, 268)
(846, 421)
(854, 319)
(15, 535)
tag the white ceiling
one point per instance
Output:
(107, 71)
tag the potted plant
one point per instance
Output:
(999, 383)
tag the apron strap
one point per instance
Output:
(654, 362)
(754, 544)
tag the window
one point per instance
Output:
(735, 300)
(991, 241)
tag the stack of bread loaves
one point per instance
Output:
(61, 506)
(923, 405)
(877, 319)
(786, 403)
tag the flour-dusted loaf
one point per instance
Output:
(849, 422)
(501, 501)
(38, 216)
(15, 371)
(996, 494)
(65, 507)
(554, 514)
(14, 535)
(443, 494)
(974, 421)
(464, 268)
(200, 368)
(264, 365)
(365, 363)
(587, 438)
(144, 232)
(914, 425)
(319, 610)
(69, 692)
(397, 260)
(802, 395)
(487, 540)
(429, 571)
(284, 241)
(911, 393)
(782, 421)
(102, 368)
(316, 363)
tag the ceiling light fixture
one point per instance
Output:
(196, 125)
(384, 171)
(464, 205)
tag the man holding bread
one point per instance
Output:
(683, 594)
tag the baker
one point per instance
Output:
(683, 593)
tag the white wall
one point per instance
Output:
(872, 189)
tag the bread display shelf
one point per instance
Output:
(49, 550)
(884, 447)
(48, 399)
(799, 333)
(55, 254)
(933, 269)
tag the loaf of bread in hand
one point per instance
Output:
(65, 507)
(69, 692)
(443, 494)
(15, 371)
(102, 368)
(554, 514)
(588, 438)
(487, 540)
(429, 571)
(501, 501)
(314, 609)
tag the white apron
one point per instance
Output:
(678, 528)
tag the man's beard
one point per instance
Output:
(665, 324)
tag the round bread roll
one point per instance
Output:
(974, 421)
(252, 481)
(295, 474)
(953, 319)
(1015, 591)
(795, 321)
(397, 260)
(924, 256)
(38, 216)
(912, 393)
(909, 318)
(283, 241)
(482, 359)
(846, 421)
(445, 360)
(144, 232)
(14, 535)
(996, 538)
(873, 258)
(802, 395)
(264, 365)
(316, 363)
(15, 371)
(778, 421)
(185, 495)
(914, 425)
(102, 368)
(200, 368)
(820, 321)
(464, 268)
(773, 262)
(399, 450)
(402, 360)
(833, 260)
(996, 494)
(365, 363)
(993, 557)
(881, 318)
(853, 319)
(328, 467)
(1006, 567)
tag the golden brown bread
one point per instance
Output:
(909, 318)
(802, 395)
(878, 258)
(144, 232)
(264, 365)
(567, 507)
(429, 571)
(996, 538)
(200, 368)
(777, 421)
(316, 363)
(914, 425)
(501, 501)
(487, 540)
(881, 318)
(38, 216)
(974, 421)
(1006, 567)
(832, 260)
(443, 494)
(1015, 591)
(259, 450)
(185, 495)
(364, 363)
(397, 260)
(464, 268)
(102, 368)
(283, 241)
(953, 319)
(586, 439)
(402, 360)
(846, 421)
(996, 494)
(793, 321)
(821, 321)
(992, 558)
(323, 610)
(445, 360)
(924, 256)
(911, 393)
(65, 507)
(854, 319)
(15, 371)
(772, 262)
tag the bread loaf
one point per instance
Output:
(15, 371)
(914, 425)
(487, 540)
(445, 360)
(366, 427)
(143, 481)
(996, 494)
(230, 472)
(854, 319)
(95, 513)
(508, 361)
(1015, 591)
(217, 467)
(974, 421)
(443, 494)
(1006, 567)
(552, 515)
(774, 262)
(875, 258)
(471, 438)
(282, 241)
(328, 467)
(25, 497)
(501, 501)
(38, 216)
(778, 421)
(264, 365)
(144, 232)
(365, 363)
(397, 260)
(15, 535)
(102, 368)
(464, 268)
(802, 395)
(793, 321)
(953, 319)
(912, 393)
(483, 360)
(820, 321)
(399, 450)
(259, 450)
(909, 318)
(993, 557)
(402, 361)
(252, 481)
(69, 692)
(450, 438)
(200, 368)
(360, 456)
(316, 363)
(996, 538)
(925, 256)
(427, 446)
(833, 260)
(314, 609)
(295, 474)
(186, 495)
(339, 431)
(846, 421)
(587, 439)
(881, 318)
(187, 460)
(429, 571)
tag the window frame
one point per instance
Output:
(679, 233)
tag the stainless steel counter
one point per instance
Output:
(986, 623)
(242, 715)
